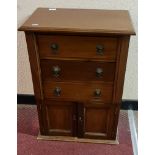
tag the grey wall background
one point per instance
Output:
(25, 9)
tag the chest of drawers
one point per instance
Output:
(78, 60)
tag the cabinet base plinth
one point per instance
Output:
(76, 139)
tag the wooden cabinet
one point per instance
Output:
(78, 60)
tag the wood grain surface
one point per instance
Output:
(77, 70)
(79, 20)
(66, 46)
(77, 47)
(79, 91)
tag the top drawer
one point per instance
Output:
(77, 47)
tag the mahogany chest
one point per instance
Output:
(78, 60)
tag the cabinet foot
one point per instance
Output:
(76, 139)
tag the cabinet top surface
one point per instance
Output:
(79, 20)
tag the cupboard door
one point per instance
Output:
(60, 118)
(95, 120)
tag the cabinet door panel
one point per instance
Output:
(60, 118)
(96, 122)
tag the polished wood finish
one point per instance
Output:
(97, 120)
(78, 71)
(75, 91)
(76, 139)
(113, 22)
(72, 70)
(60, 118)
(35, 71)
(35, 67)
(77, 47)
(120, 68)
(123, 46)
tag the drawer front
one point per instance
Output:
(56, 70)
(56, 46)
(89, 91)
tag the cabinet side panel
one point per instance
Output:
(123, 44)
(36, 74)
(34, 63)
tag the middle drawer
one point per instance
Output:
(65, 70)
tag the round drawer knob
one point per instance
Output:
(97, 92)
(80, 119)
(57, 91)
(56, 71)
(54, 48)
(99, 49)
(99, 72)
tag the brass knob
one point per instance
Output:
(97, 92)
(54, 48)
(57, 91)
(56, 71)
(99, 72)
(80, 119)
(99, 49)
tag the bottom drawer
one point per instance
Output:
(78, 91)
